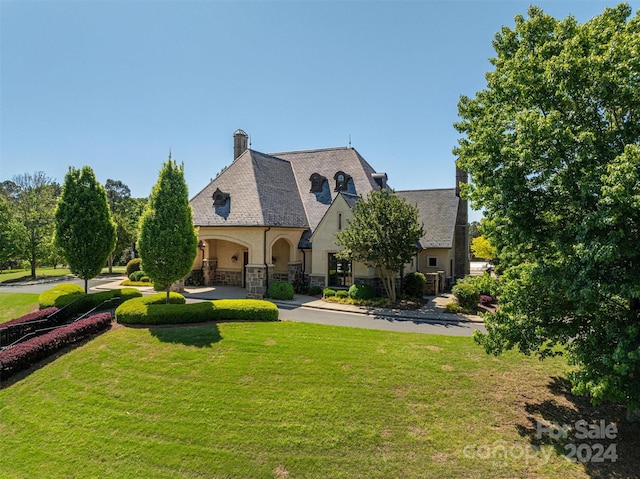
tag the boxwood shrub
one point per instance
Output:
(328, 292)
(361, 291)
(134, 265)
(23, 355)
(342, 294)
(467, 294)
(280, 290)
(143, 311)
(72, 296)
(415, 285)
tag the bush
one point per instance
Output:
(486, 300)
(342, 294)
(361, 292)
(415, 285)
(328, 292)
(301, 287)
(485, 283)
(143, 311)
(72, 300)
(314, 290)
(134, 265)
(24, 354)
(467, 295)
(35, 316)
(280, 290)
(137, 275)
(453, 308)
(145, 279)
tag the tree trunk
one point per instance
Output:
(168, 290)
(86, 286)
(110, 263)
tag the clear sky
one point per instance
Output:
(116, 84)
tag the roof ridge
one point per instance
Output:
(311, 151)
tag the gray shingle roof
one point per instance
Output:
(274, 190)
(261, 192)
(437, 212)
(327, 162)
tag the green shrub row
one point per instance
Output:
(72, 298)
(151, 310)
(361, 292)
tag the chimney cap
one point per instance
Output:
(240, 132)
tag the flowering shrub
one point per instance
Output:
(23, 355)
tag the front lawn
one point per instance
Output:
(288, 400)
(15, 305)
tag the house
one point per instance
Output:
(269, 217)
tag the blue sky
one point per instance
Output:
(116, 84)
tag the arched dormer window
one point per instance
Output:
(342, 180)
(317, 183)
(220, 197)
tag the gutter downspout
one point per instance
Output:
(266, 266)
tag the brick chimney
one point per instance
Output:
(240, 142)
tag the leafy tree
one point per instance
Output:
(383, 234)
(12, 234)
(553, 145)
(33, 199)
(84, 228)
(168, 242)
(481, 248)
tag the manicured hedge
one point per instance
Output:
(361, 291)
(65, 294)
(23, 355)
(35, 316)
(143, 311)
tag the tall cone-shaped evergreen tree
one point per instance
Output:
(168, 243)
(84, 229)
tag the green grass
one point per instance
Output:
(14, 305)
(284, 400)
(13, 275)
(25, 274)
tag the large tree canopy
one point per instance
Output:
(32, 198)
(383, 234)
(553, 145)
(84, 229)
(168, 242)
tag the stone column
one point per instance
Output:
(295, 272)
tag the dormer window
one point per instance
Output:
(380, 179)
(317, 183)
(342, 180)
(220, 197)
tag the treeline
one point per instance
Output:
(27, 223)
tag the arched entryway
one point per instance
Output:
(224, 262)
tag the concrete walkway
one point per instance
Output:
(434, 310)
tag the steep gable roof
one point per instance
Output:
(437, 212)
(327, 162)
(262, 191)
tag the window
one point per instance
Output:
(317, 183)
(339, 221)
(220, 198)
(432, 261)
(339, 272)
(342, 181)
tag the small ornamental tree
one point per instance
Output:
(383, 234)
(84, 231)
(481, 248)
(168, 242)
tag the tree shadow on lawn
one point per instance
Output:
(202, 335)
(566, 409)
